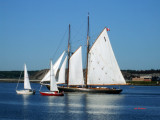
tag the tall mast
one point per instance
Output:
(87, 52)
(51, 76)
(68, 55)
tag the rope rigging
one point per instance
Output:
(19, 80)
(59, 45)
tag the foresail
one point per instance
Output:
(57, 63)
(26, 79)
(46, 78)
(61, 78)
(53, 85)
(75, 68)
(103, 68)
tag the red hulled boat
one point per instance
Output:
(53, 86)
(54, 93)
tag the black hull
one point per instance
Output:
(90, 90)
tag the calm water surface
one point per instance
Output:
(79, 106)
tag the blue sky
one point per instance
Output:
(33, 32)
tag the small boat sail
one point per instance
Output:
(27, 87)
(53, 86)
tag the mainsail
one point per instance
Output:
(26, 79)
(52, 79)
(55, 68)
(61, 78)
(102, 65)
(75, 68)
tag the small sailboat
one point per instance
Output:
(27, 87)
(53, 86)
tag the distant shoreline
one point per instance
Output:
(16, 80)
(38, 81)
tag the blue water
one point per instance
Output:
(80, 106)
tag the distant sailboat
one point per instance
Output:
(53, 86)
(102, 68)
(27, 87)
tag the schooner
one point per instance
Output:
(101, 69)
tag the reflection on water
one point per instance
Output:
(92, 104)
(25, 103)
(25, 99)
(80, 106)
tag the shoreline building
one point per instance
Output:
(143, 78)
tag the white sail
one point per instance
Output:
(46, 78)
(53, 85)
(75, 68)
(26, 79)
(103, 68)
(57, 63)
(55, 68)
(61, 78)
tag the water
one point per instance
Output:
(80, 106)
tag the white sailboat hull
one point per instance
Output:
(25, 92)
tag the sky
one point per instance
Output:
(36, 31)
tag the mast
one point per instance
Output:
(87, 52)
(68, 55)
(51, 76)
